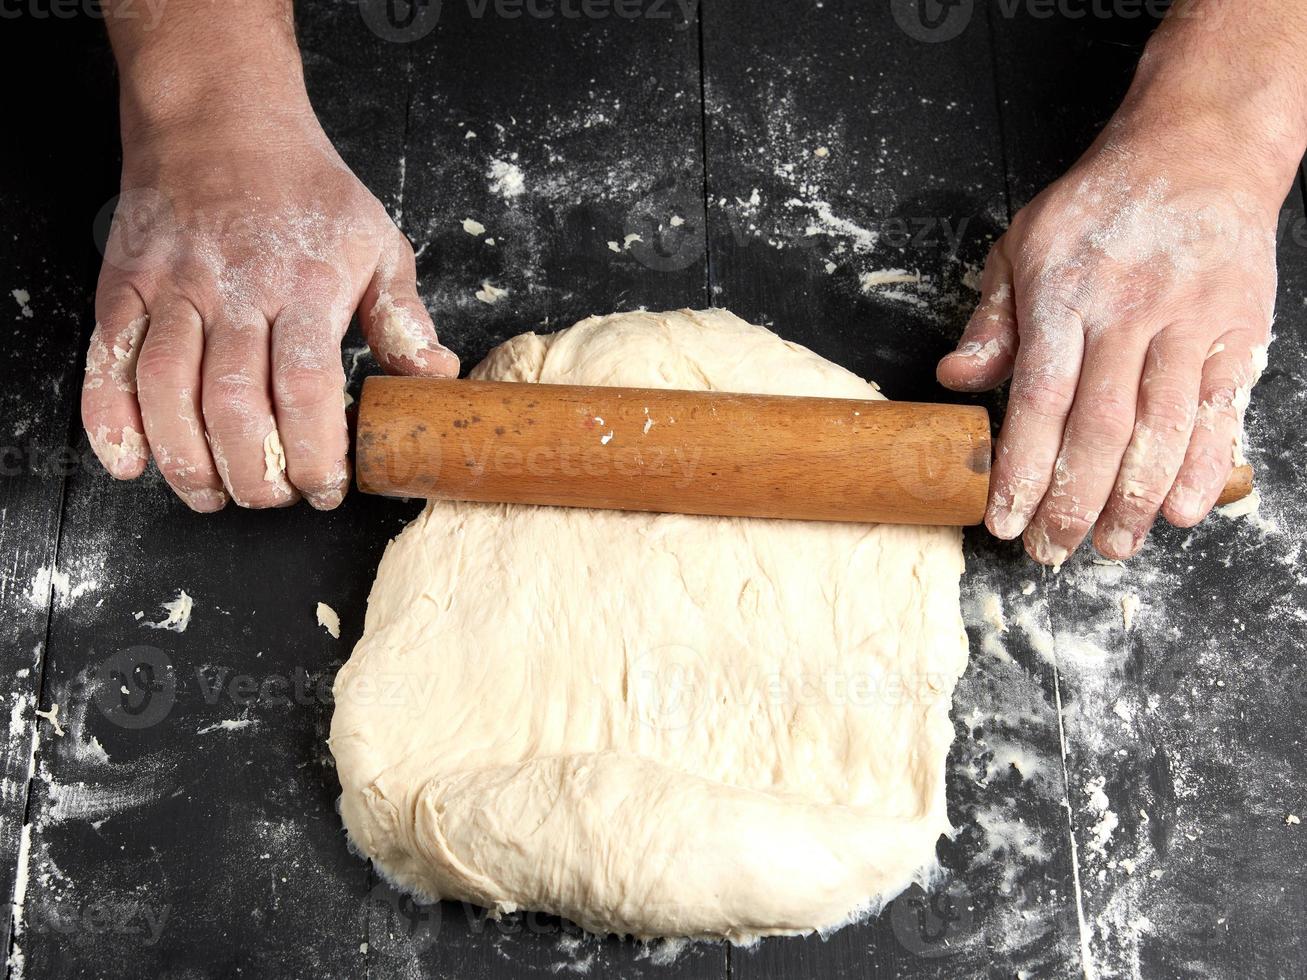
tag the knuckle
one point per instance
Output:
(250, 491)
(1042, 397)
(158, 365)
(1138, 497)
(1218, 411)
(1115, 401)
(181, 474)
(1106, 420)
(1102, 434)
(1065, 519)
(322, 476)
(1221, 393)
(1057, 295)
(1208, 462)
(228, 395)
(1024, 471)
(1167, 407)
(324, 281)
(115, 299)
(303, 386)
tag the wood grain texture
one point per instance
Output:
(186, 825)
(865, 253)
(600, 119)
(48, 263)
(1179, 731)
(684, 452)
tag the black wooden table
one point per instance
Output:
(1124, 799)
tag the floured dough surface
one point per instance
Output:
(653, 724)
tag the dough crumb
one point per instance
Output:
(227, 725)
(887, 277)
(402, 335)
(274, 458)
(994, 612)
(1129, 606)
(1246, 507)
(490, 294)
(178, 614)
(329, 620)
(1291, 819)
(473, 227)
(52, 716)
(23, 298)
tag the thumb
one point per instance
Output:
(396, 323)
(987, 348)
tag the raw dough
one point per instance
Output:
(655, 724)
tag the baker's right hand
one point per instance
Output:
(238, 254)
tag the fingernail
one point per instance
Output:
(442, 353)
(119, 458)
(1006, 524)
(326, 500)
(1119, 542)
(1186, 503)
(1043, 550)
(204, 500)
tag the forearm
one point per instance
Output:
(211, 59)
(1229, 80)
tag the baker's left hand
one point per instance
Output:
(1131, 303)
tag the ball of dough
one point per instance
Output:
(652, 724)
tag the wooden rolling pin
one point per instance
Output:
(687, 452)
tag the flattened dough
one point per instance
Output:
(657, 725)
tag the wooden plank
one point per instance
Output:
(47, 259)
(594, 129)
(844, 154)
(600, 121)
(1182, 740)
(1184, 748)
(185, 824)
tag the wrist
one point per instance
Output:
(1190, 106)
(205, 66)
(241, 100)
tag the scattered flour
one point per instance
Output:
(506, 179)
(178, 614)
